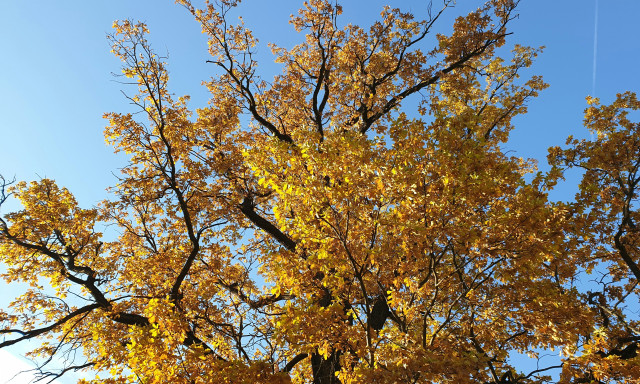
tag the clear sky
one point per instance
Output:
(56, 82)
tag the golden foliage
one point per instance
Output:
(341, 236)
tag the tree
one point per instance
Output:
(344, 235)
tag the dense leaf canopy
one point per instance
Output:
(354, 219)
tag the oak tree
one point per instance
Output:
(354, 219)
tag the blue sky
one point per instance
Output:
(56, 82)
(56, 77)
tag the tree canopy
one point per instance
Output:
(354, 219)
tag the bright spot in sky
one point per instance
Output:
(10, 368)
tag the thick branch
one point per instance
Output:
(26, 335)
(255, 304)
(395, 100)
(294, 361)
(626, 221)
(248, 208)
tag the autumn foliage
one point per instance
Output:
(352, 220)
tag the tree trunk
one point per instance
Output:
(324, 370)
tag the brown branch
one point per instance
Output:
(254, 304)
(27, 335)
(395, 100)
(248, 208)
(626, 221)
(292, 363)
(55, 376)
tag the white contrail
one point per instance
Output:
(595, 53)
